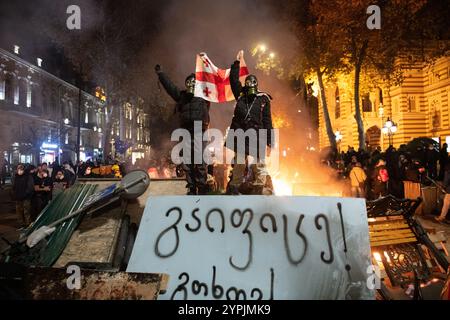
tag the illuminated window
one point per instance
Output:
(16, 94)
(412, 104)
(86, 117)
(39, 62)
(2, 89)
(366, 103)
(66, 140)
(16, 49)
(28, 96)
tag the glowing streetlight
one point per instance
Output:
(389, 129)
(272, 55)
(66, 121)
(262, 47)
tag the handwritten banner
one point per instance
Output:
(255, 247)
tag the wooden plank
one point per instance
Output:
(389, 226)
(393, 236)
(392, 242)
(400, 234)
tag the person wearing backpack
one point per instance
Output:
(380, 178)
(358, 179)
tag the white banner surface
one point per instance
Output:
(256, 247)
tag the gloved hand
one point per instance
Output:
(36, 236)
(158, 68)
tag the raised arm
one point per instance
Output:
(171, 89)
(235, 84)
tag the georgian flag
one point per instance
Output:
(212, 83)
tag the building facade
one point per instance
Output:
(419, 107)
(39, 115)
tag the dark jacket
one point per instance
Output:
(188, 107)
(250, 112)
(23, 187)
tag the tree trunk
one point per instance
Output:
(326, 115)
(359, 60)
(358, 118)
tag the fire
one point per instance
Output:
(282, 187)
(279, 121)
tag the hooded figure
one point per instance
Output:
(190, 109)
(252, 112)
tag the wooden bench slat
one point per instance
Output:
(389, 226)
(393, 237)
(391, 242)
(388, 233)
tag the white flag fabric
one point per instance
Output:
(212, 83)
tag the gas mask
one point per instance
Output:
(251, 83)
(190, 83)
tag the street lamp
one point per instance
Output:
(389, 129)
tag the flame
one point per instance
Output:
(282, 187)
(279, 121)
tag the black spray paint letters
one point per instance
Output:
(186, 289)
(217, 222)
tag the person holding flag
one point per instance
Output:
(189, 109)
(252, 112)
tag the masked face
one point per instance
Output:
(251, 83)
(190, 84)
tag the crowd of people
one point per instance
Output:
(376, 174)
(33, 187)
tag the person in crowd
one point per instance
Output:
(446, 202)
(380, 178)
(60, 183)
(23, 190)
(443, 161)
(3, 171)
(42, 192)
(415, 172)
(88, 172)
(69, 173)
(432, 157)
(358, 181)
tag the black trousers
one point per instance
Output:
(196, 173)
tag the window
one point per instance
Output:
(16, 94)
(2, 89)
(16, 49)
(380, 95)
(366, 103)
(86, 117)
(337, 108)
(28, 96)
(39, 62)
(412, 104)
(66, 139)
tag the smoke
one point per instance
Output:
(174, 32)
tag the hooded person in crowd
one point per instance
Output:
(60, 183)
(190, 109)
(252, 112)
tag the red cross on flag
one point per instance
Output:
(212, 83)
